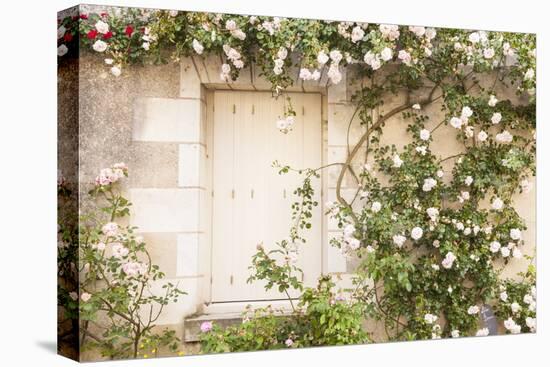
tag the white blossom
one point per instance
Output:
(515, 234)
(376, 206)
(488, 53)
(468, 180)
(405, 57)
(102, 27)
(492, 101)
(421, 150)
(357, 34)
(99, 46)
(474, 37)
(62, 50)
(389, 31)
(432, 213)
(430, 318)
(197, 47)
(416, 106)
(456, 122)
(505, 251)
(416, 233)
(497, 204)
(472, 310)
(424, 134)
(482, 136)
(529, 74)
(399, 240)
(386, 54)
(496, 118)
(503, 296)
(322, 58)
(115, 70)
(494, 246)
(429, 184)
(448, 261)
(455, 334)
(335, 56)
(397, 162)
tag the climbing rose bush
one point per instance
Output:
(431, 241)
(113, 301)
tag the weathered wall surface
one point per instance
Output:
(155, 119)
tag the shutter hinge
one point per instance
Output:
(253, 109)
(303, 110)
(231, 279)
(233, 194)
(234, 109)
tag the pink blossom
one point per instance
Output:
(206, 326)
(110, 229)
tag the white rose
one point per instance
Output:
(515, 307)
(404, 56)
(515, 234)
(282, 53)
(397, 162)
(468, 180)
(456, 122)
(505, 251)
(429, 318)
(197, 47)
(482, 136)
(357, 34)
(472, 310)
(421, 150)
(416, 106)
(399, 240)
(61, 32)
(416, 233)
(146, 46)
(474, 37)
(466, 112)
(62, 50)
(424, 134)
(448, 261)
(386, 54)
(497, 204)
(495, 119)
(322, 58)
(376, 206)
(455, 334)
(494, 246)
(99, 46)
(488, 53)
(529, 74)
(115, 70)
(432, 213)
(102, 27)
(231, 25)
(492, 101)
(504, 296)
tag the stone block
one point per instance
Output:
(165, 210)
(167, 120)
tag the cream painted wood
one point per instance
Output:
(251, 201)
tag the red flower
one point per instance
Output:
(108, 35)
(129, 30)
(92, 34)
(83, 16)
(68, 37)
(104, 14)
